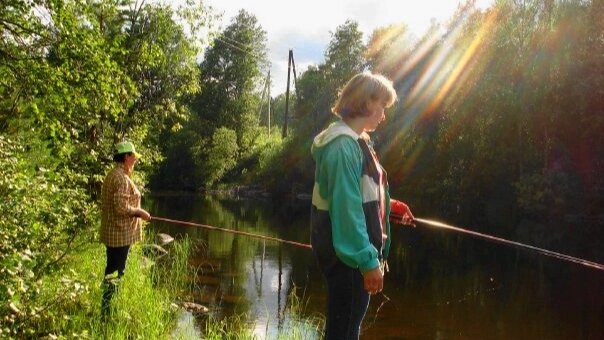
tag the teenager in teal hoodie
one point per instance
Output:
(350, 229)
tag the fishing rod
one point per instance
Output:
(298, 244)
(546, 252)
(397, 219)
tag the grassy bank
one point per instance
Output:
(297, 326)
(142, 308)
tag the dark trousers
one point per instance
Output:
(347, 302)
(116, 261)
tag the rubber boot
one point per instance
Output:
(109, 287)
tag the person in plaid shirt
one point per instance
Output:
(120, 216)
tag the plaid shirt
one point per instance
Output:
(119, 200)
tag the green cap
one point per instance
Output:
(125, 147)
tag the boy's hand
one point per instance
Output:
(400, 213)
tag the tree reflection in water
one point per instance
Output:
(440, 285)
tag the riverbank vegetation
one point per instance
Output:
(76, 77)
(498, 124)
(66, 303)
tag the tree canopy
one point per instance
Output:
(224, 127)
(76, 77)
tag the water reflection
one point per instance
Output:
(238, 275)
(440, 285)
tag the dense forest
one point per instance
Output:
(498, 121)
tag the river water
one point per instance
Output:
(441, 285)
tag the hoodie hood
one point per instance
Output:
(333, 131)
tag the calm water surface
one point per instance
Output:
(440, 285)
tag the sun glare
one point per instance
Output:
(447, 67)
(427, 73)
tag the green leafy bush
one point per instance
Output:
(45, 215)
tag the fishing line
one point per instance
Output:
(385, 299)
(469, 295)
(546, 252)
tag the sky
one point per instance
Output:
(306, 26)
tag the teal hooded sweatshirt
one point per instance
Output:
(346, 221)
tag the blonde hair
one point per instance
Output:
(359, 90)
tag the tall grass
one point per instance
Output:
(296, 325)
(234, 327)
(142, 307)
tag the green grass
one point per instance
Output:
(300, 326)
(296, 327)
(234, 327)
(142, 308)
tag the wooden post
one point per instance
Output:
(289, 68)
(269, 102)
(294, 69)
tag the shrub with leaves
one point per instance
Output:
(45, 216)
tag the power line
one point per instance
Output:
(247, 49)
(238, 48)
(236, 42)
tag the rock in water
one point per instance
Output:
(195, 307)
(163, 239)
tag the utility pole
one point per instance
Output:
(269, 102)
(289, 69)
(264, 87)
(294, 69)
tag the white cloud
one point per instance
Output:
(305, 26)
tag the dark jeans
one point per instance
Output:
(116, 260)
(347, 302)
